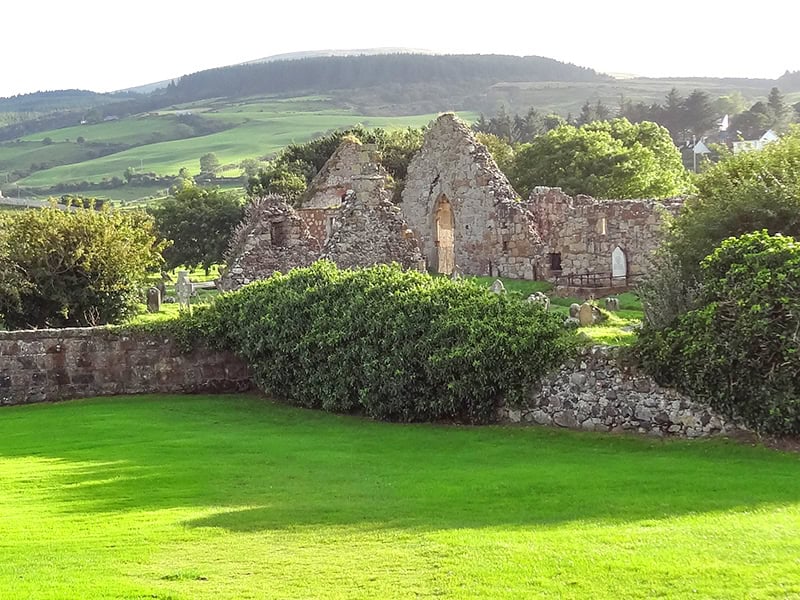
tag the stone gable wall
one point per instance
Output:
(493, 232)
(328, 188)
(271, 238)
(573, 227)
(58, 364)
(370, 230)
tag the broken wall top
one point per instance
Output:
(335, 179)
(452, 162)
(370, 230)
(544, 200)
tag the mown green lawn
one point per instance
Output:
(236, 497)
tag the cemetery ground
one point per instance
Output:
(239, 497)
(618, 330)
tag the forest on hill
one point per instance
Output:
(347, 72)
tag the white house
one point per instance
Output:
(748, 145)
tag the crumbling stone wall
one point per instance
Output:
(320, 221)
(58, 364)
(493, 233)
(370, 229)
(584, 232)
(328, 188)
(596, 391)
(599, 392)
(271, 238)
(320, 205)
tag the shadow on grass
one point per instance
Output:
(260, 466)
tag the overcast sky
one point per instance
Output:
(106, 46)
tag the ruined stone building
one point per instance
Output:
(464, 211)
(272, 237)
(359, 229)
(583, 235)
(458, 212)
(321, 203)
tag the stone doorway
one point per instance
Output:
(444, 237)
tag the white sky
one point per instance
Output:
(105, 46)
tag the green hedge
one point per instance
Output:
(388, 343)
(740, 351)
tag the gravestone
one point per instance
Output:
(586, 314)
(153, 300)
(574, 309)
(541, 299)
(498, 287)
(162, 288)
(183, 289)
(619, 263)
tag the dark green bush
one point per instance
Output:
(388, 343)
(740, 351)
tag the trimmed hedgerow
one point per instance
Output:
(740, 351)
(388, 343)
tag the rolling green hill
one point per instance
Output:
(253, 110)
(252, 128)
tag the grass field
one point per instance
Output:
(235, 497)
(256, 128)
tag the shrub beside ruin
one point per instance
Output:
(83, 267)
(740, 349)
(388, 343)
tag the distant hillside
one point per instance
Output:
(790, 81)
(323, 74)
(44, 102)
(332, 52)
(151, 87)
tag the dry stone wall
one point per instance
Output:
(492, 232)
(59, 364)
(598, 392)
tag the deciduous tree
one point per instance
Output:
(199, 223)
(605, 159)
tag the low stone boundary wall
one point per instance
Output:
(58, 364)
(598, 392)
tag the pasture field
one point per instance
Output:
(252, 130)
(192, 497)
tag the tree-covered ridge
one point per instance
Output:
(343, 72)
(790, 81)
(43, 102)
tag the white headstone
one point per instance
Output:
(619, 264)
(498, 287)
(183, 289)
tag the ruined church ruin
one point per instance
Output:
(458, 213)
